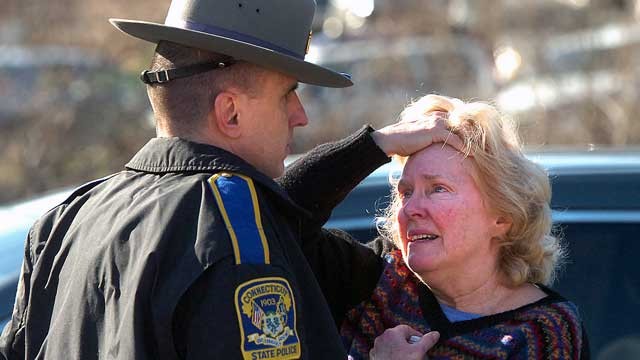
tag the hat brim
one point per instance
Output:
(304, 71)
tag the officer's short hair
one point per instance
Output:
(184, 103)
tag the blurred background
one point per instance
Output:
(568, 71)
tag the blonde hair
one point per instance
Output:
(512, 185)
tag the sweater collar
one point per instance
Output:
(167, 155)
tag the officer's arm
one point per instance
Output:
(323, 177)
(12, 340)
(347, 271)
(205, 323)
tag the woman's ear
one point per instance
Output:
(502, 225)
(226, 114)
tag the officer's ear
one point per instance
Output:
(226, 106)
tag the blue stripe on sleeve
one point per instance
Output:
(236, 196)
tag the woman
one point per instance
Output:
(467, 249)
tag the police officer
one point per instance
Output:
(193, 251)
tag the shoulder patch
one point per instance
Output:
(266, 313)
(238, 203)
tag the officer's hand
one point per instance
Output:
(394, 344)
(408, 136)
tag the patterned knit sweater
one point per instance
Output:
(546, 329)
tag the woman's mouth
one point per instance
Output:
(422, 237)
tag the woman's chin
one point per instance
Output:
(419, 263)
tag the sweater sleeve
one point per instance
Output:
(323, 177)
(346, 270)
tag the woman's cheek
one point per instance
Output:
(402, 231)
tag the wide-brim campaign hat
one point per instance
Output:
(274, 34)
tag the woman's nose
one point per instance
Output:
(415, 206)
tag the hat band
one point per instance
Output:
(214, 30)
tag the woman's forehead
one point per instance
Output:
(437, 160)
(435, 155)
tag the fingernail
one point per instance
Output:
(414, 339)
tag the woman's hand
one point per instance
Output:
(395, 344)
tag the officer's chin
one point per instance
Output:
(279, 173)
(276, 171)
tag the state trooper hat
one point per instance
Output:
(274, 34)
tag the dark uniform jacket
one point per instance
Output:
(152, 263)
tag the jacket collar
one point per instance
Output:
(167, 155)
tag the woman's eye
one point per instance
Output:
(405, 194)
(440, 189)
